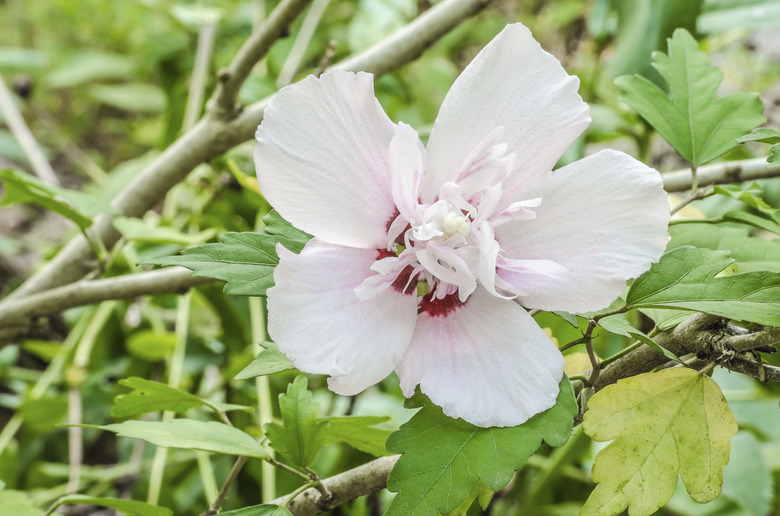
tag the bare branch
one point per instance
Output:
(211, 137)
(40, 165)
(223, 103)
(719, 173)
(344, 487)
(169, 280)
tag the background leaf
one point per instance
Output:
(699, 126)
(268, 361)
(665, 423)
(259, 510)
(128, 507)
(191, 434)
(302, 435)
(685, 278)
(77, 207)
(358, 432)
(445, 459)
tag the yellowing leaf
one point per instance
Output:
(576, 363)
(665, 423)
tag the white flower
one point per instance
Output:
(421, 257)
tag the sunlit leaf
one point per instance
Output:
(127, 507)
(134, 97)
(358, 432)
(445, 459)
(191, 434)
(665, 423)
(699, 126)
(89, 66)
(685, 278)
(75, 206)
(302, 434)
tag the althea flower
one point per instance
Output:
(422, 256)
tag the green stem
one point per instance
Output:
(174, 379)
(257, 322)
(207, 475)
(52, 372)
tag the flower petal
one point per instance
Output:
(318, 322)
(514, 84)
(322, 159)
(603, 218)
(486, 361)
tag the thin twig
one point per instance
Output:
(223, 103)
(169, 280)
(40, 165)
(698, 194)
(719, 173)
(234, 471)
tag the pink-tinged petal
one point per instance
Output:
(514, 84)
(406, 166)
(485, 361)
(322, 159)
(603, 218)
(318, 322)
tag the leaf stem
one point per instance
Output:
(298, 491)
(232, 475)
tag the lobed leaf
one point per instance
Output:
(191, 434)
(244, 261)
(302, 435)
(665, 423)
(699, 126)
(444, 460)
(685, 278)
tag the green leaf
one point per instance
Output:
(774, 154)
(245, 261)
(685, 278)
(137, 230)
(18, 503)
(88, 67)
(268, 361)
(749, 196)
(127, 507)
(191, 434)
(148, 396)
(752, 220)
(302, 435)
(665, 423)
(357, 432)
(259, 510)
(134, 97)
(619, 325)
(747, 479)
(42, 414)
(290, 237)
(761, 134)
(445, 459)
(150, 345)
(77, 207)
(699, 126)
(752, 254)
